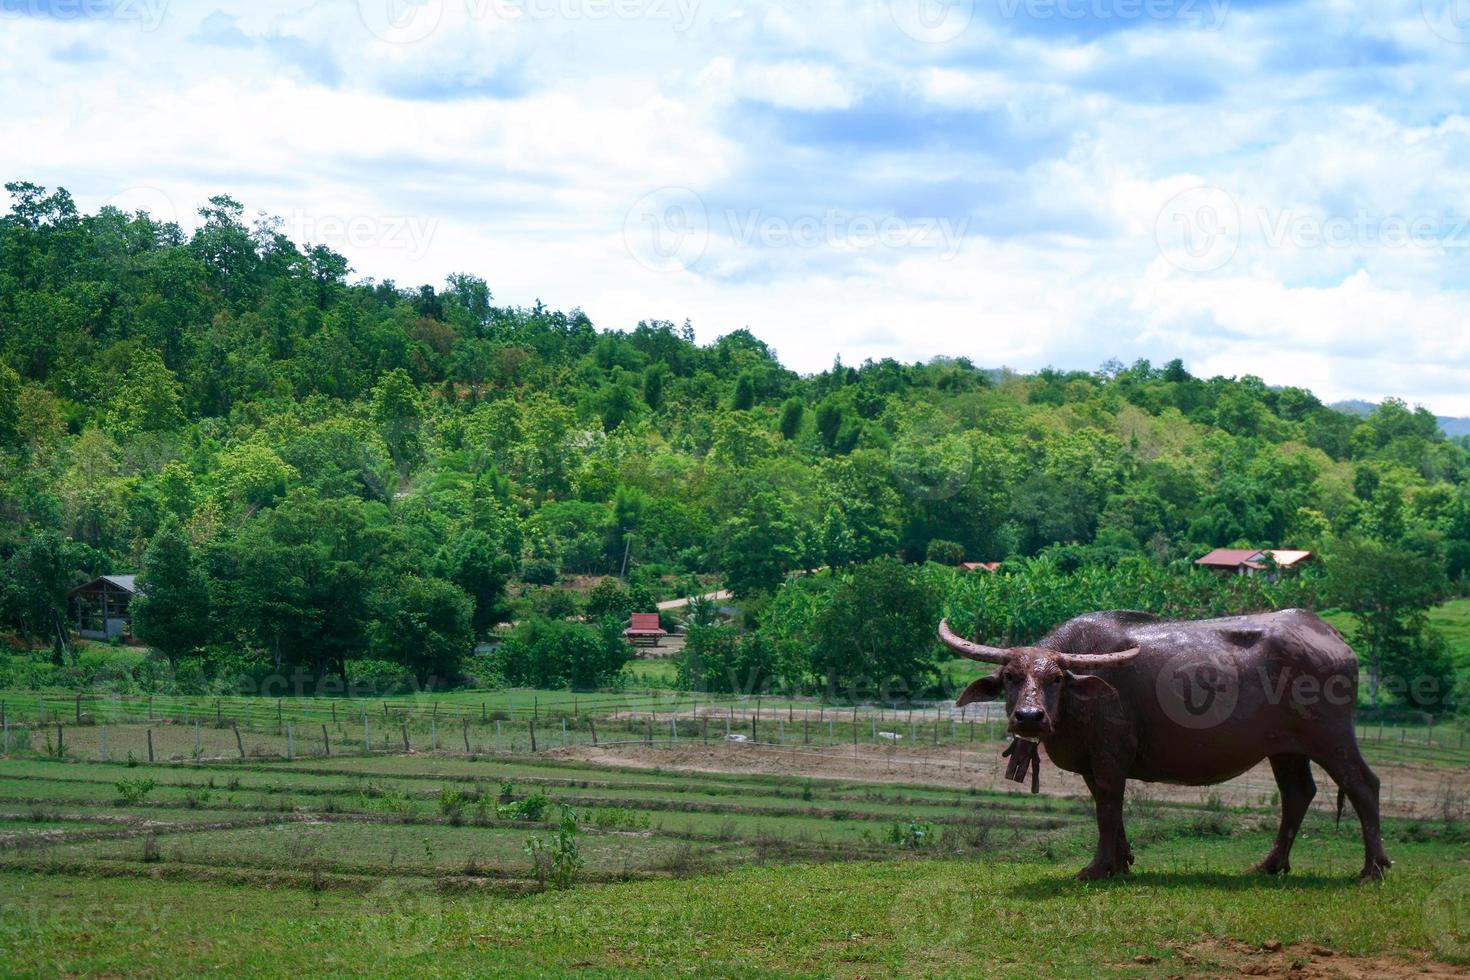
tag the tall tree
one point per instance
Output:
(424, 624)
(171, 611)
(1389, 590)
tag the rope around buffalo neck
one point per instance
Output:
(1024, 753)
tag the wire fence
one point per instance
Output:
(1426, 766)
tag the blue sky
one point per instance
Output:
(1274, 188)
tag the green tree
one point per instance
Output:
(943, 552)
(149, 398)
(743, 400)
(876, 634)
(424, 624)
(10, 418)
(171, 610)
(792, 414)
(1389, 590)
(719, 659)
(551, 653)
(475, 564)
(653, 385)
(398, 413)
(37, 578)
(758, 546)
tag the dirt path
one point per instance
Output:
(1408, 791)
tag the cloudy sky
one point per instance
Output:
(1274, 188)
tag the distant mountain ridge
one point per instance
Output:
(1451, 426)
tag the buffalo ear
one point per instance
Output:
(985, 689)
(1089, 687)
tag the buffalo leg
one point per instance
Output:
(1294, 780)
(1347, 767)
(1112, 856)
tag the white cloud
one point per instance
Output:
(513, 138)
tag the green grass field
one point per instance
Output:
(248, 847)
(394, 864)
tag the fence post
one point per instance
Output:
(239, 742)
(806, 729)
(327, 739)
(467, 738)
(290, 741)
(150, 745)
(533, 732)
(434, 730)
(591, 724)
(367, 739)
(404, 728)
(198, 742)
(334, 712)
(563, 731)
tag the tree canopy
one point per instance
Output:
(353, 466)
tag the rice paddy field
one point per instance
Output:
(898, 861)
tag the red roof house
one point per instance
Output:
(1249, 561)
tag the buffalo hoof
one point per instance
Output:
(1099, 870)
(1375, 870)
(1272, 865)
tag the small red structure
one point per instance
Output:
(1250, 561)
(980, 566)
(644, 631)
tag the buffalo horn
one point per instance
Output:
(1094, 661)
(989, 655)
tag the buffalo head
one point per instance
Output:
(1033, 681)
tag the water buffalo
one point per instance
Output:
(1124, 695)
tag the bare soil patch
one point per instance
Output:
(1227, 957)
